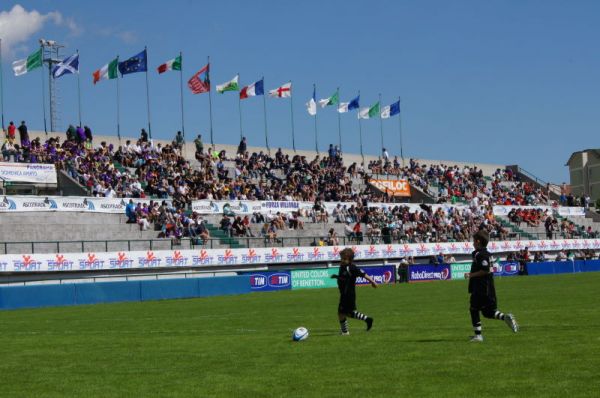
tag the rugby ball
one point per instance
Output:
(300, 334)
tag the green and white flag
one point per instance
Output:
(333, 100)
(22, 66)
(369, 113)
(231, 85)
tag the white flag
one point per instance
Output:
(385, 112)
(311, 107)
(363, 113)
(20, 67)
(343, 108)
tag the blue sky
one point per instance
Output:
(511, 82)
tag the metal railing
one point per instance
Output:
(45, 247)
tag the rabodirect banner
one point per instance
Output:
(313, 278)
(380, 274)
(269, 281)
(427, 272)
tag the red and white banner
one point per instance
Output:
(286, 255)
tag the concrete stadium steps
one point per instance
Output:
(515, 229)
(62, 218)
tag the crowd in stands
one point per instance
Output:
(140, 169)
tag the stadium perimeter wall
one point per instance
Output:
(15, 297)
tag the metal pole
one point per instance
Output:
(360, 134)
(118, 107)
(1, 87)
(265, 114)
(381, 126)
(181, 93)
(400, 130)
(43, 93)
(292, 114)
(240, 110)
(339, 122)
(316, 133)
(79, 90)
(212, 142)
(148, 94)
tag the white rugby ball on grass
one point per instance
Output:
(300, 334)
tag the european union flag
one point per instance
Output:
(354, 104)
(135, 64)
(395, 108)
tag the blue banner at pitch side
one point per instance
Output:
(269, 281)
(506, 268)
(380, 274)
(427, 272)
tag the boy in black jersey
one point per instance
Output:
(481, 288)
(346, 280)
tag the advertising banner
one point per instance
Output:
(504, 210)
(393, 187)
(270, 281)
(571, 211)
(314, 278)
(380, 274)
(426, 272)
(458, 270)
(506, 268)
(18, 204)
(36, 173)
(273, 255)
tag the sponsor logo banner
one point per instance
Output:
(66, 204)
(269, 281)
(394, 187)
(458, 270)
(380, 274)
(424, 273)
(313, 278)
(506, 268)
(36, 173)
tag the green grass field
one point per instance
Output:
(240, 346)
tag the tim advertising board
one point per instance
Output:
(506, 268)
(269, 281)
(380, 274)
(427, 273)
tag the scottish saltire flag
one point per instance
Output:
(390, 110)
(67, 65)
(254, 89)
(311, 106)
(137, 63)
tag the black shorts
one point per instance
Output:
(347, 303)
(483, 302)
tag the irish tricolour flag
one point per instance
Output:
(108, 71)
(174, 64)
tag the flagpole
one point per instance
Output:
(400, 130)
(43, 92)
(316, 134)
(339, 122)
(360, 134)
(265, 114)
(381, 126)
(292, 114)
(148, 94)
(240, 110)
(1, 86)
(212, 143)
(78, 89)
(181, 93)
(118, 106)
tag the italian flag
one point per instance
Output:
(108, 71)
(369, 113)
(22, 66)
(174, 64)
(333, 100)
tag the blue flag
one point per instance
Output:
(354, 104)
(135, 64)
(395, 108)
(67, 65)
